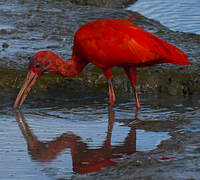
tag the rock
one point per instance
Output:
(105, 3)
(5, 45)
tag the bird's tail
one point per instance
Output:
(169, 52)
(178, 57)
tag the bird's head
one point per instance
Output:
(43, 61)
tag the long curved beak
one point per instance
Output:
(29, 82)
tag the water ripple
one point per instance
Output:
(175, 14)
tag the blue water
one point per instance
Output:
(178, 15)
(26, 137)
(83, 132)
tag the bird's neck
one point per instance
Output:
(71, 67)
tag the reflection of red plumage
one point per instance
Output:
(106, 43)
(94, 166)
(167, 158)
(85, 160)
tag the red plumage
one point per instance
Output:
(120, 43)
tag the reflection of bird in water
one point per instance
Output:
(85, 160)
(106, 43)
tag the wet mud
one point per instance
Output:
(176, 158)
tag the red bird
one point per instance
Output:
(106, 43)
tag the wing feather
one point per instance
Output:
(119, 42)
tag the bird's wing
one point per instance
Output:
(153, 49)
(119, 42)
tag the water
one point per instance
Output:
(61, 141)
(177, 15)
(57, 142)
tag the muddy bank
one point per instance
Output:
(28, 27)
(105, 3)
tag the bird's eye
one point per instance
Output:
(37, 66)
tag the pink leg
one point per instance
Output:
(108, 75)
(112, 98)
(138, 106)
(132, 75)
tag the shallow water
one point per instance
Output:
(177, 15)
(76, 138)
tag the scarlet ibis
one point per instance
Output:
(105, 43)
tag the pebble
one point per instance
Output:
(5, 45)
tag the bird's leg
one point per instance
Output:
(108, 75)
(132, 75)
(138, 106)
(112, 98)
